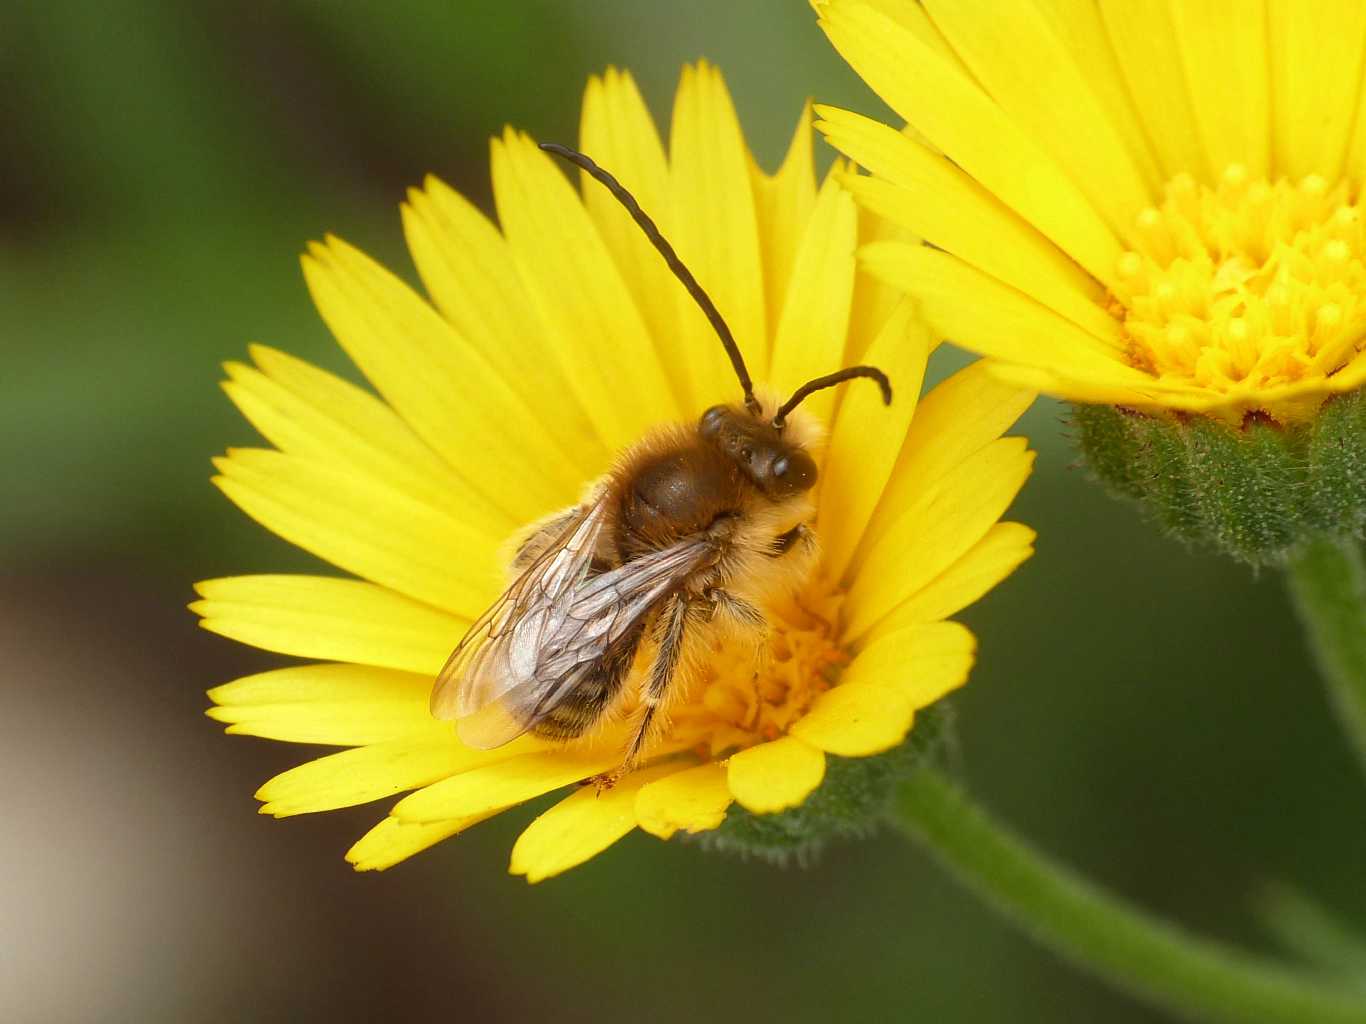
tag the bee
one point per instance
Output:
(697, 527)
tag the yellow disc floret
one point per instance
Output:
(741, 696)
(1247, 285)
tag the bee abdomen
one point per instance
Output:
(585, 704)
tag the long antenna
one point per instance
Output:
(666, 250)
(829, 381)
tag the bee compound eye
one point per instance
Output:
(793, 472)
(712, 420)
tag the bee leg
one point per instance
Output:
(670, 629)
(740, 611)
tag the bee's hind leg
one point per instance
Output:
(670, 627)
(737, 609)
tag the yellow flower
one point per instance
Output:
(553, 341)
(1141, 203)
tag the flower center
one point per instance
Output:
(1246, 285)
(741, 696)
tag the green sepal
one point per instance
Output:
(1254, 491)
(850, 803)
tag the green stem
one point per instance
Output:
(1193, 977)
(1328, 583)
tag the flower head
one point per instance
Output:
(553, 341)
(1145, 205)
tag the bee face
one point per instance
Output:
(779, 468)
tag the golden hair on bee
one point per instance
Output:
(696, 529)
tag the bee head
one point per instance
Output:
(779, 468)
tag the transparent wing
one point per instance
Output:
(479, 670)
(548, 631)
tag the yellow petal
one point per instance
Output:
(467, 267)
(962, 122)
(1014, 326)
(607, 354)
(446, 390)
(867, 437)
(782, 205)
(958, 418)
(306, 411)
(951, 517)
(1316, 64)
(348, 705)
(1081, 28)
(1227, 69)
(580, 826)
(925, 193)
(815, 319)
(1023, 64)
(922, 662)
(617, 131)
(509, 781)
(774, 776)
(874, 300)
(365, 528)
(362, 774)
(912, 16)
(391, 841)
(1144, 40)
(716, 234)
(856, 720)
(329, 619)
(694, 800)
(1004, 547)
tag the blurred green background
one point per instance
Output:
(1142, 711)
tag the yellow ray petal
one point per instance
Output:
(580, 826)
(774, 776)
(694, 800)
(617, 131)
(925, 193)
(509, 781)
(922, 662)
(1024, 65)
(345, 705)
(717, 233)
(1316, 67)
(867, 438)
(1224, 52)
(958, 418)
(391, 841)
(1004, 547)
(329, 619)
(609, 357)
(1081, 28)
(968, 127)
(782, 205)
(912, 16)
(446, 390)
(368, 773)
(874, 300)
(1144, 40)
(306, 411)
(951, 516)
(1100, 386)
(856, 720)
(365, 528)
(467, 267)
(978, 311)
(815, 319)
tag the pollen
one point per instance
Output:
(1245, 285)
(746, 693)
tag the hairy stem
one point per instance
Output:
(1328, 583)
(1150, 958)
